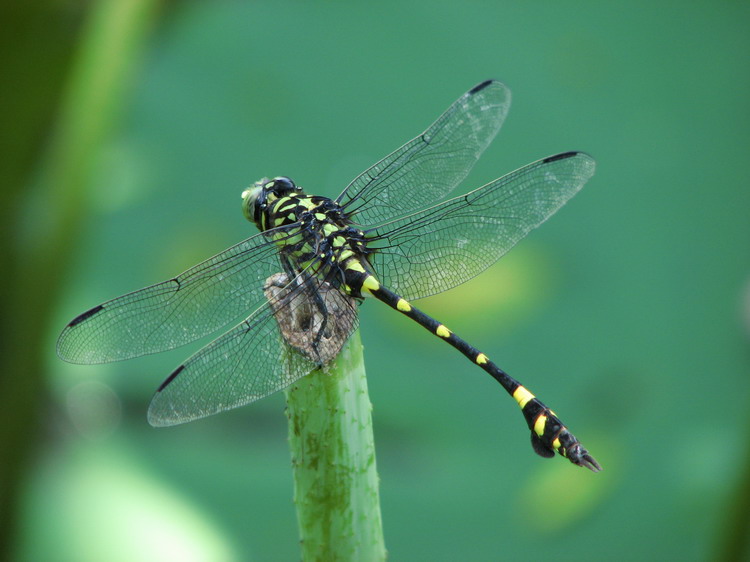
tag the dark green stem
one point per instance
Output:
(734, 536)
(34, 252)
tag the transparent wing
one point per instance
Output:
(175, 312)
(428, 167)
(438, 248)
(296, 331)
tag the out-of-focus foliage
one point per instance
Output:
(626, 312)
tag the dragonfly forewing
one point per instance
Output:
(445, 245)
(428, 167)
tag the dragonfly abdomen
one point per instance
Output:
(548, 433)
(314, 234)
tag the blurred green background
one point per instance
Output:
(131, 129)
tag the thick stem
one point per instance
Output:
(35, 246)
(333, 462)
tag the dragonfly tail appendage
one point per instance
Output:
(550, 435)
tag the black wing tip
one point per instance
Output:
(170, 378)
(85, 315)
(562, 156)
(566, 155)
(481, 86)
(63, 342)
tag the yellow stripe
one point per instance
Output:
(539, 424)
(354, 265)
(482, 359)
(295, 239)
(522, 396)
(556, 443)
(442, 331)
(329, 229)
(320, 216)
(370, 284)
(403, 306)
(307, 203)
(284, 207)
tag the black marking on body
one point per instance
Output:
(321, 230)
(532, 410)
(552, 427)
(86, 315)
(540, 448)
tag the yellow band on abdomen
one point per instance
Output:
(522, 396)
(539, 424)
(403, 306)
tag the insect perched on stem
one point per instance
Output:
(388, 236)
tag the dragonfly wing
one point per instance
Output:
(443, 246)
(201, 300)
(283, 340)
(428, 167)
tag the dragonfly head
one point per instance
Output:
(256, 198)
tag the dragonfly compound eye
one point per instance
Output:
(250, 198)
(282, 185)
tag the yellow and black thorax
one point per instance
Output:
(314, 235)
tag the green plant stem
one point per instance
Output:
(734, 534)
(33, 255)
(333, 462)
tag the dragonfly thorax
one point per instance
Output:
(314, 233)
(279, 202)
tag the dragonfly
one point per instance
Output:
(392, 235)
